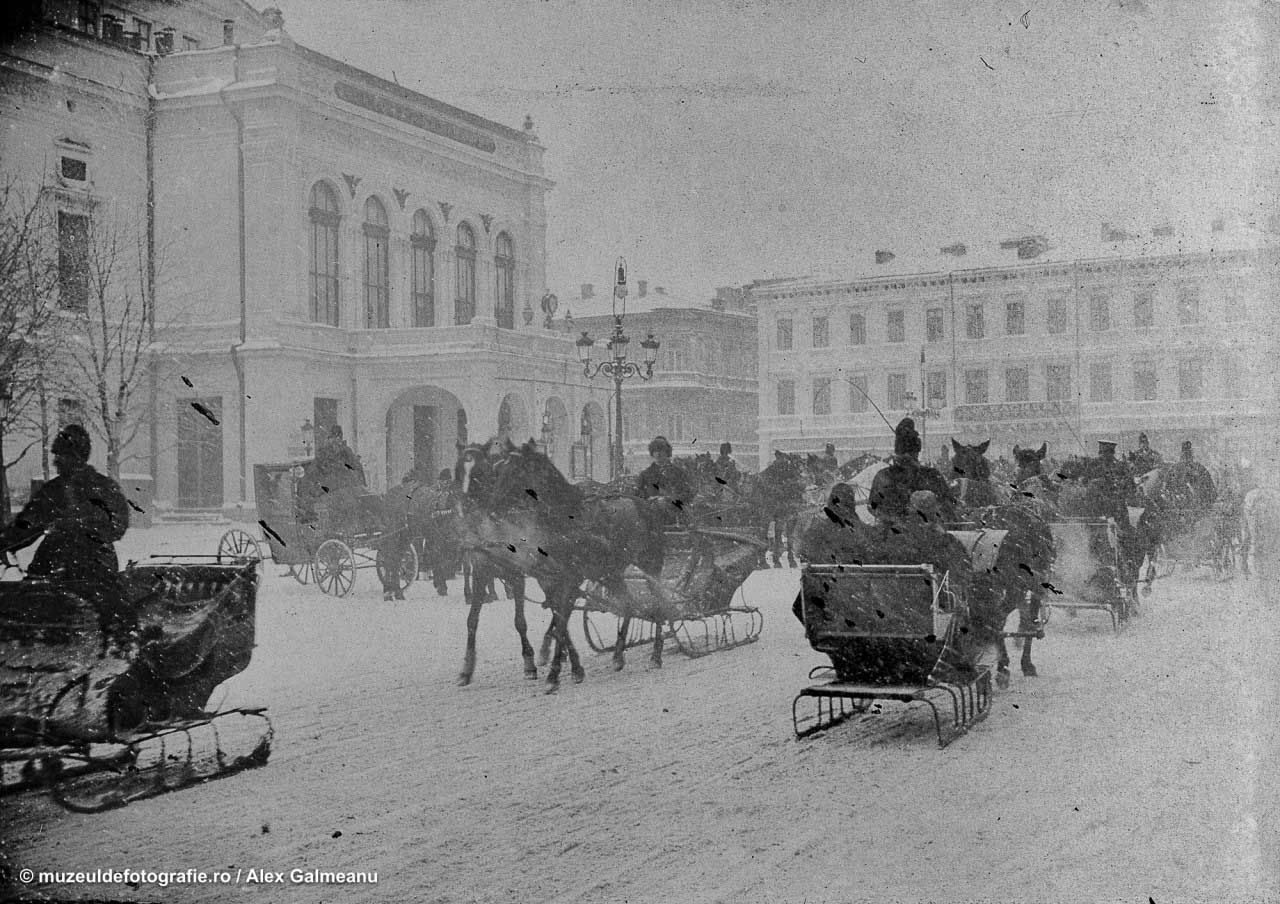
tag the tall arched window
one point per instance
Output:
(324, 216)
(422, 242)
(377, 275)
(464, 306)
(504, 260)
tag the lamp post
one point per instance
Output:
(616, 365)
(308, 437)
(921, 414)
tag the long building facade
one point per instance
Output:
(1065, 350)
(324, 246)
(703, 391)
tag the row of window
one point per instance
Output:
(976, 386)
(706, 355)
(326, 301)
(1058, 318)
(89, 18)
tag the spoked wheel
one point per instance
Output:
(238, 546)
(301, 573)
(408, 568)
(335, 568)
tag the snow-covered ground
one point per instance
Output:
(1139, 766)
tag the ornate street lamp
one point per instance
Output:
(6, 396)
(616, 365)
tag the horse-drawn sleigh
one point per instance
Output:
(100, 720)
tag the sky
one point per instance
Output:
(716, 142)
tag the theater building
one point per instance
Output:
(325, 247)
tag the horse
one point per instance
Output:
(525, 518)
(1022, 565)
(778, 495)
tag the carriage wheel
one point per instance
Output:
(301, 573)
(238, 546)
(335, 568)
(408, 568)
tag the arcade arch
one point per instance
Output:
(423, 427)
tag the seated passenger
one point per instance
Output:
(78, 516)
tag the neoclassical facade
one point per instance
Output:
(704, 389)
(326, 247)
(1175, 342)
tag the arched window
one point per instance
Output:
(464, 306)
(324, 216)
(504, 260)
(422, 243)
(377, 276)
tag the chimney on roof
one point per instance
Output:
(660, 290)
(588, 291)
(642, 288)
(1028, 246)
(228, 32)
(1115, 234)
(274, 17)
(959, 249)
(883, 257)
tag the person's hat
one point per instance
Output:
(1142, 437)
(1186, 446)
(1105, 443)
(726, 449)
(658, 445)
(830, 447)
(73, 441)
(926, 503)
(906, 441)
(445, 474)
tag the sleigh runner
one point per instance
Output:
(692, 598)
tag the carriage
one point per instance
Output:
(691, 600)
(1088, 573)
(1195, 538)
(99, 724)
(328, 540)
(894, 632)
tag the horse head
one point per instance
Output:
(1029, 461)
(528, 479)
(970, 462)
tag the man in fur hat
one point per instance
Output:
(1144, 459)
(892, 488)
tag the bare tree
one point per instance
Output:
(29, 318)
(110, 347)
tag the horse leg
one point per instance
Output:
(1029, 624)
(469, 662)
(655, 658)
(544, 649)
(791, 532)
(522, 628)
(619, 649)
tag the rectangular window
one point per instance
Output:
(822, 395)
(1188, 305)
(975, 326)
(1100, 381)
(934, 325)
(377, 279)
(895, 326)
(1099, 313)
(936, 389)
(858, 395)
(1144, 310)
(784, 334)
(786, 397)
(1058, 314)
(896, 394)
(1190, 379)
(1015, 318)
(73, 169)
(1144, 381)
(422, 287)
(1017, 386)
(821, 337)
(857, 328)
(975, 387)
(73, 261)
(143, 29)
(324, 416)
(1057, 382)
(190, 43)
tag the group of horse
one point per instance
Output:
(511, 515)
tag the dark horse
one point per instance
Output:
(1021, 571)
(523, 519)
(777, 494)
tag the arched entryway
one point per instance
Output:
(513, 419)
(556, 437)
(591, 451)
(424, 426)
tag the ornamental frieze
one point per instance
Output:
(1014, 411)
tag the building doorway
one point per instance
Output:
(200, 453)
(426, 428)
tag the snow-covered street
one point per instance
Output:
(1136, 766)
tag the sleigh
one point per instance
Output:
(893, 632)
(692, 600)
(1086, 571)
(99, 724)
